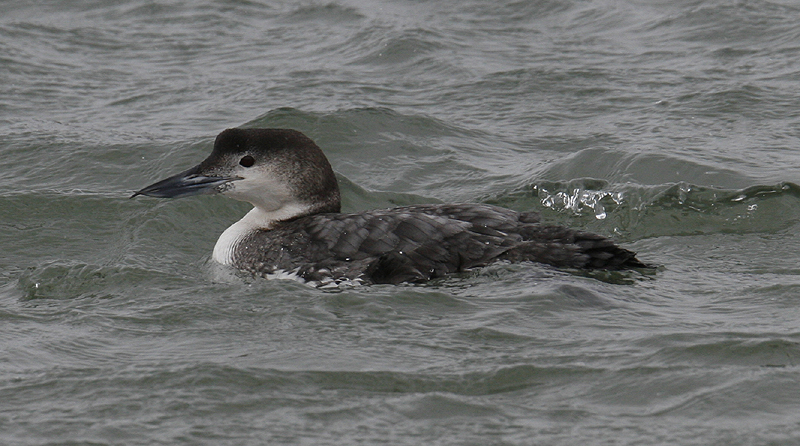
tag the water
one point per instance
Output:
(670, 126)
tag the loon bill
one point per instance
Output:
(296, 225)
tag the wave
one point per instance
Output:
(634, 211)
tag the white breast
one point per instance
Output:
(255, 220)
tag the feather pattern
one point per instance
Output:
(418, 243)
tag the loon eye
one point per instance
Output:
(247, 161)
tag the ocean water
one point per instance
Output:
(671, 126)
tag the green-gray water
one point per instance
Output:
(670, 126)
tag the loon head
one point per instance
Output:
(282, 172)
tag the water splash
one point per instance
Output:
(579, 197)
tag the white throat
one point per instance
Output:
(256, 219)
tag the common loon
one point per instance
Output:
(296, 226)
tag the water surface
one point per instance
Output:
(670, 126)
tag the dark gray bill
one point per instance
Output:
(184, 184)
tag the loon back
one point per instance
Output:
(419, 243)
(295, 225)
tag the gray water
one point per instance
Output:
(671, 126)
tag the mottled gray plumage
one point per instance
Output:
(296, 227)
(418, 243)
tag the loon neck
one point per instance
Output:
(255, 220)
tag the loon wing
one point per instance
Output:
(417, 243)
